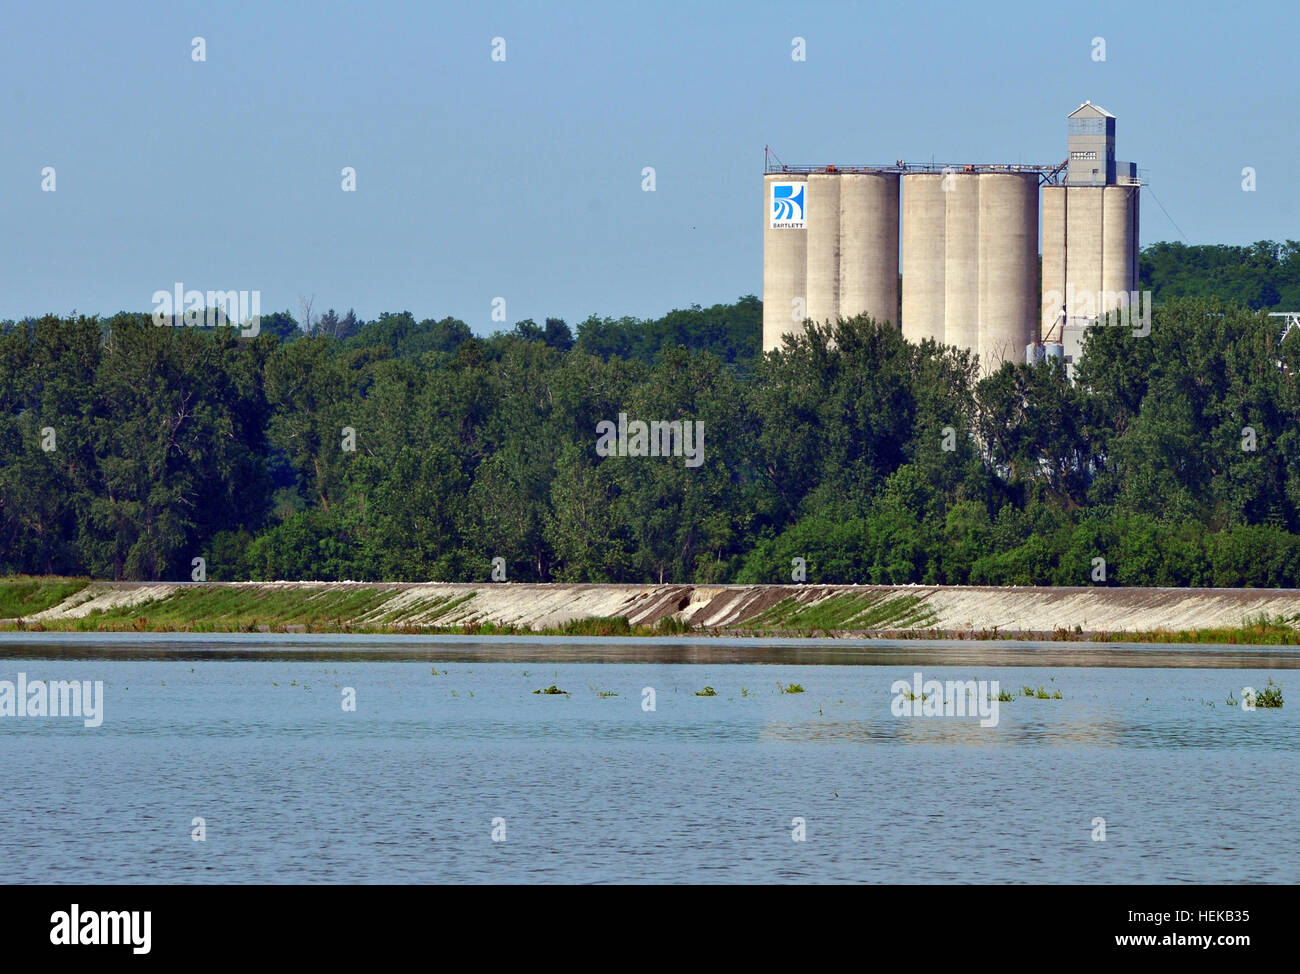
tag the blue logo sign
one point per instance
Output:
(787, 206)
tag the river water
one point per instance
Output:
(451, 769)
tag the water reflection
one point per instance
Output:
(561, 649)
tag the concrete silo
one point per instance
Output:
(1053, 242)
(1008, 267)
(868, 245)
(1118, 242)
(969, 247)
(961, 284)
(823, 258)
(1072, 249)
(1083, 215)
(924, 256)
(785, 252)
(1090, 231)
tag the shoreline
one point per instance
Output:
(337, 647)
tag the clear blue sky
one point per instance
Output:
(522, 179)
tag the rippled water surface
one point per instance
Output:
(594, 788)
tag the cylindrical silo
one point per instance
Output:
(824, 247)
(869, 245)
(1008, 267)
(1135, 271)
(1119, 244)
(1083, 257)
(923, 256)
(785, 251)
(1054, 258)
(961, 280)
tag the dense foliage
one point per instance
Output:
(1263, 275)
(128, 450)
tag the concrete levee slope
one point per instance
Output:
(949, 609)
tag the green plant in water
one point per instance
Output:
(1005, 696)
(791, 687)
(552, 690)
(706, 692)
(671, 625)
(597, 626)
(1270, 696)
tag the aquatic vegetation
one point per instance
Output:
(1029, 693)
(790, 687)
(552, 690)
(744, 692)
(672, 626)
(706, 692)
(1270, 696)
(597, 626)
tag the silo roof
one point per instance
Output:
(1095, 111)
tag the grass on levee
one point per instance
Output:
(221, 609)
(847, 611)
(25, 595)
(1261, 631)
(364, 610)
(200, 607)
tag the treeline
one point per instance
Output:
(1264, 275)
(732, 332)
(405, 450)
